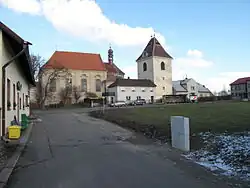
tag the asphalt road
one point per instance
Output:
(72, 150)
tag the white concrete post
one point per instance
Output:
(180, 132)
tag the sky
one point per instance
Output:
(208, 39)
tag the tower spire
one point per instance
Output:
(110, 54)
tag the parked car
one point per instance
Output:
(139, 102)
(118, 104)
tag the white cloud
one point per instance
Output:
(25, 6)
(85, 19)
(194, 58)
(195, 53)
(191, 65)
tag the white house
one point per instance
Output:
(156, 64)
(15, 77)
(132, 89)
(190, 87)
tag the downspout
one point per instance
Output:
(25, 46)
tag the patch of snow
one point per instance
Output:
(225, 154)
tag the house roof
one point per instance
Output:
(75, 61)
(241, 81)
(153, 48)
(112, 68)
(16, 43)
(133, 83)
(180, 86)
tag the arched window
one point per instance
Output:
(84, 84)
(162, 66)
(52, 85)
(144, 66)
(98, 85)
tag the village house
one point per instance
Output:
(16, 77)
(132, 89)
(190, 87)
(240, 88)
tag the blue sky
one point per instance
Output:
(209, 41)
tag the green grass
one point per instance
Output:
(214, 117)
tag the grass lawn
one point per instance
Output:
(214, 117)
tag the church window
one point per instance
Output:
(84, 84)
(162, 66)
(98, 85)
(144, 66)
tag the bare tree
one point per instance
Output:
(76, 93)
(36, 62)
(45, 78)
(65, 94)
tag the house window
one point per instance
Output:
(52, 86)
(162, 66)
(128, 98)
(143, 89)
(133, 89)
(122, 89)
(192, 88)
(98, 85)
(26, 100)
(163, 78)
(14, 96)
(84, 84)
(8, 95)
(138, 97)
(144, 66)
(20, 103)
(163, 88)
(151, 90)
(23, 101)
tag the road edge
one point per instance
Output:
(11, 163)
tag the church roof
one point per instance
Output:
(76, 61)
(154, 48)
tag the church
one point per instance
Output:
(154, 71)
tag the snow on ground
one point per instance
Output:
(225, 154)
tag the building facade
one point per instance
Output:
(190, 87)
(155, 64)
(131, 90)
(17, 77)
(85, 72)
(240, 88)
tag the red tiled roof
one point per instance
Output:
(112, 68)
(76, 61)
(241, 81)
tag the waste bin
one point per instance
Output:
(24, 121)
(14, 132)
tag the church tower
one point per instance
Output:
(155, 64)
(110, 55)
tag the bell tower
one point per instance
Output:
(155, 64)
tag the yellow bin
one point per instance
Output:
(14, 132)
